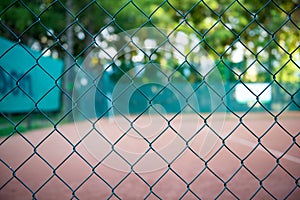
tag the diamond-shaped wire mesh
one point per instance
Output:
(233, 110)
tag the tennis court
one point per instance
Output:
(57, 163)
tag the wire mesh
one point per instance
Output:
(266, 31)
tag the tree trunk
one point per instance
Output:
(69, 69)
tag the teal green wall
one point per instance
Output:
(28, 78)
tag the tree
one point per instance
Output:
(262, 33)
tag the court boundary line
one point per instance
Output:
(273, 151)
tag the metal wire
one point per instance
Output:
(221, 14)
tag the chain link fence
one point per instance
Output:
(193, 99)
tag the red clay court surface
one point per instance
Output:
(76, 173)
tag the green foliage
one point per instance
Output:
(220, 24)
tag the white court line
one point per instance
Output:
(273, 151)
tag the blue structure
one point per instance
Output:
(28, 79)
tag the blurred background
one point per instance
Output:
(254, 45)
(236, 57)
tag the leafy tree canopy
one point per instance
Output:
(263, 36)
